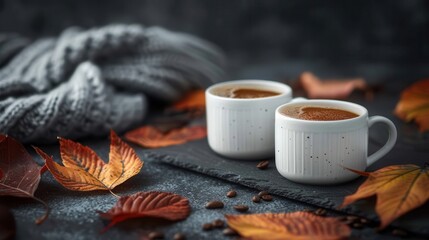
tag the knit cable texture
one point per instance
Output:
(85, 83)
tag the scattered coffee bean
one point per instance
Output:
(231, 194)
(218, 223)
(229, 232)
(364, 221)
(241, 208)
(256, 199)
(352, 218)
(320, 212)
(262, 193)
(263, 165)
(156, 235)
(349, 222)
(399, 233)
(207, 226)
(267, 198)
(357, 225)
(179, 236)
(214, 204)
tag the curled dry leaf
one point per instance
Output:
(336, 89)
(19, 174)
(151, 137)
(398, 188)
(414, 104)
(84, 170)
(296, 225)
(194, 100)
(154, 204)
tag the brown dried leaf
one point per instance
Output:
(194, 100)
(19, 174)
(155, 204)
(296, 225)
(83, 169)
(414, 104)
(399, 189)
(334, 89)
(151, 137)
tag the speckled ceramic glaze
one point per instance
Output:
(317, 152)
(244, 128)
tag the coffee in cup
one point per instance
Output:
(243, 91)
(317, 113)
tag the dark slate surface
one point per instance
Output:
(74, 215)
(411, 147)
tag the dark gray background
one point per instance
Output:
(337, 31)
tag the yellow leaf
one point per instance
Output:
(83, 169)
(398, 188)
(296, 225)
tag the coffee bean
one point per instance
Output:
(179, 236)
(207, 226)
(241, 208)
(349, 222)
(352, 218)
(263, 165)
(231, 194)
(156, 235)
(320, 212)
(218, 223)
(364, 221)
(262, 193)
(256, 199)
(267, 198)
(399, 233)
(214, 204)
(229, 232)
(357, 225)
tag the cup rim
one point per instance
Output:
(286, 90)
(363, 112)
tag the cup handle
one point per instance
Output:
(390, 141)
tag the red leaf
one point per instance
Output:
(19, 174)
(163, 205)
(151, 137)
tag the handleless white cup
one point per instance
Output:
(244, 128)
(317, 152)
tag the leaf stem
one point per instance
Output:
(117, 196)
(41, 219)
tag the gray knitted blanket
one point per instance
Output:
(85, 83)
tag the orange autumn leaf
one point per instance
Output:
(194, 100)
(336, 89)
(163, 205)
(414, 104)
(151, 137)
(296, 225)
(399, 189)
(84, 170)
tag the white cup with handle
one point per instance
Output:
(243, 128)
(318, 152)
